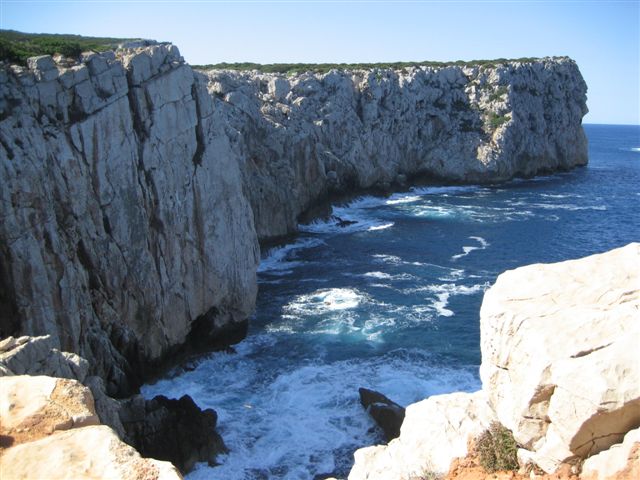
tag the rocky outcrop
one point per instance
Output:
(124, 223)
(559, 369)
(173, 430)
(49, 429)
(558, 354)
(302, 137)
(435, 431)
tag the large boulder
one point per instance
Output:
(387, 413)
(174, 430)
(89, 452)
(559, 354)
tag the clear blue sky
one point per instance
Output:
(602, 36)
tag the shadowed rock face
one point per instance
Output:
(173, 430)
(134, 189)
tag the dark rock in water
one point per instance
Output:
(387, 413)
(174, 430)
(344, 223)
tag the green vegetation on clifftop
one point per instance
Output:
(292, 68)
(16, 47)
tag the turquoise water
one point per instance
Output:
(391, 302)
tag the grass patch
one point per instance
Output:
(16, 47)
(497, 449)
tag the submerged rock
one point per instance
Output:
(387, 413)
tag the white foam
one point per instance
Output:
(325, 300)
(380, 227)
(446, 190)
(387, 276)
(466, 250)
(634, 149)
(287, 422)
(444, 292)
(380, 275)
(401, 199)
(278, 260)
(389, 259)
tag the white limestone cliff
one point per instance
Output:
(123, 216)
(559, 369)
(134, 189)
(303, 136)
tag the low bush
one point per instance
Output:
(497, 449)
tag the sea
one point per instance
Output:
(391, 302)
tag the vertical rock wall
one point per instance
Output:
(123, 217)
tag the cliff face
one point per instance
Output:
(301, 137)
(123, 217)
(134, 189)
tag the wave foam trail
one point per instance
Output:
(466, 250)
(325, 300)
(299, 422)
(279, 259)
(443, 292)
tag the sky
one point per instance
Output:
(602, 36)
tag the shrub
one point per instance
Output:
(497, 449)
(496, 120)
(498, 94)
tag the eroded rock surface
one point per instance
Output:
(49, 429)
(134, 189)
(559, 354)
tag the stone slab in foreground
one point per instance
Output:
(49, 429)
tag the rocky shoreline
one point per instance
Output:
(135, 192)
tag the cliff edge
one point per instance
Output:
(559, 370)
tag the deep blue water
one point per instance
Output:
(392, 303)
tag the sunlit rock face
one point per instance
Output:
(306, 135)
(123, 215)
